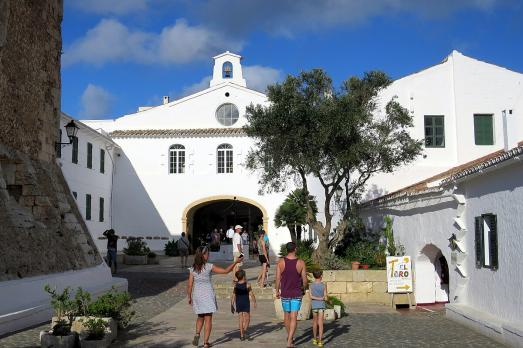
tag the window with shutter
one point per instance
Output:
(491, 221)
(89, 155)
(478, 242)
(74, 151)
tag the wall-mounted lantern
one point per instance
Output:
(71, 129)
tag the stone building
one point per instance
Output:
(44, 238)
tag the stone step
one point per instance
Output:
(224, 291)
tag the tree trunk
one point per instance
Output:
(292, 232)
(298, 233)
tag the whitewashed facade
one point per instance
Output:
(88, 167)
(456, 91)
(152, 201)
(470, 219)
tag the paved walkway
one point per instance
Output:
(164, 319)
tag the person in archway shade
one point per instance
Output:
(264, 259)
(112, 247)
(291, 282)
(200, 292)
(183, 249)
(237, 248)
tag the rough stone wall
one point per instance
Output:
(41, 229)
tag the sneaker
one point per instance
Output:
(320, 343)
(315, 341)
(242, 338)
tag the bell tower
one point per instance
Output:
(227, 68)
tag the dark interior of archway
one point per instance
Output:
(222, 215)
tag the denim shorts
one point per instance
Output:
(291, 304)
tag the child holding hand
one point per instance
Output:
(241, 303)
(318, 294)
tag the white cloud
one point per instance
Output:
(196, 87)
(96, 102)
(117, 7)
(259, 77)
(112, 41)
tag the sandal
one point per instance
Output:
(195, 340)
(206, 345)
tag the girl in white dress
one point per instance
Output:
(201, 293)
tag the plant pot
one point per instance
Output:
(103, 343)
(329, 314)
(364, 266)
(303, 314)
(355, 265)
(48, 340)
(153, 260)
(135, 259)
(110, 332)
(337, 309)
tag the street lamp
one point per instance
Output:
(71, 129)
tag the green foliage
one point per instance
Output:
(171, 248)
(151, 255)
(334, 262)
(389, 234)
(95, 328)
(363, 252)
(64, 309)
(113, 304)
(82, 300)
(380, 258)
(334, 301)
(304, 250)
(293, 211)
(310, 129)
(136, 247)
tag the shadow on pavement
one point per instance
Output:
(331, 329)
(254, 331)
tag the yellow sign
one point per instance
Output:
(399, 274)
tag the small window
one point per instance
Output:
(89, 155)
(225, 159)
(434, 131)
(101, 213)
(483, 129)
(486, 241)
(102, 161)
(227, 114)
(58, 145)
(88, 207)
(177, 159)
(227, 70)
(75, 195)
(74, 151)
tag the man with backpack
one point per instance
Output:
(183, 249)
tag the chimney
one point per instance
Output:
(165, 99)
(512, 125)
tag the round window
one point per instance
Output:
(227, 114)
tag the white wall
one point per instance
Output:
(498, 292)
(83, 180)
(457, 88)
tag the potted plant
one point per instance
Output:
(152, 258)
(355, 265)
(171, 248)
(336, 304)
(60, 334)
(95, 334)
(136, 251)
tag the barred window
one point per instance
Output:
(177, 159)
(225, 159)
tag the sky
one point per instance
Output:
(122, 54)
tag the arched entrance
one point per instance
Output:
(432, 276)
(202, 216)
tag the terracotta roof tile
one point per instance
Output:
(168, 133)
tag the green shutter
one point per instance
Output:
(479, 242)
(89, 155)
(493, 240)
(483, 130)
(74, 158)
(102, 161)
(88, 207)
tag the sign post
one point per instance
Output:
(399, 276)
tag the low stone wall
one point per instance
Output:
(361, 286)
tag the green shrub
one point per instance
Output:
(113, 304)
(64, 308)
(82, 300)
(136, 247)
(151, 255)
(171, 248)
(95, 328)
(335, 263)
(334, 301)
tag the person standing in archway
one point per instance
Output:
(237, 249)
(291, 282)
(183, 249)
(264, 259)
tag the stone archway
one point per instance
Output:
(192, 208)
(432, 276)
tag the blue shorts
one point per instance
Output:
(291, 304)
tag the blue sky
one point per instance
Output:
(122, 54)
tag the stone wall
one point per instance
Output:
(361, 286)
(41, 230)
